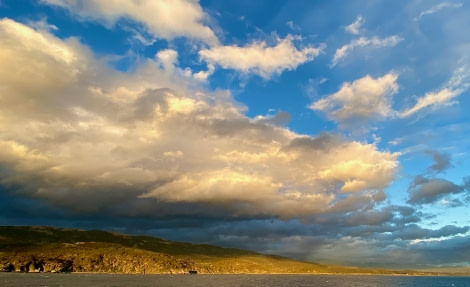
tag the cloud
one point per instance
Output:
(354, 28)
(457, 84)
(168, 59)
(363, 99)
(401, 246)
(203, 75)
(417, 234)
(374, 42)
(441, 161)
(438, 7)
(60, 65)
(433, 99)
(162, 18)
(153, 150)
(381, 229)
(368, 98)
(292, 26)
(466, 184)
(185, 18)
(424, 191)
(452, 251)
(371, 217)
(260, 59)
(77, 132)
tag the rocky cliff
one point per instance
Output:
(91, 257)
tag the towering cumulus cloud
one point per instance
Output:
(85, 140)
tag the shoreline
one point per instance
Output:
(253, 274)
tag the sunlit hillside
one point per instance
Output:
(46, 249)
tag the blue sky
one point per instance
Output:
(329, 131)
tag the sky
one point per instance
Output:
(327, 131)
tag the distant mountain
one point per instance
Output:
(47, 249)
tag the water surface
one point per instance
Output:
(116, 280)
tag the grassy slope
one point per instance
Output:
(99, 251)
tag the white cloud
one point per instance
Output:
(354, 28)
(166, 19)
(167, 59)
(439, 98)
(438, 7)
(365, 98)
(456, 85)
(374, 42)
(293, 26)
(203, 75)
(258, 58)
(73, 138)
(396, 141)
(42, 25)
(170, 19)
(54, 48)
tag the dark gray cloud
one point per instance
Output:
(377, 236)
(415, 232)
(453, 251)
(466, 183)
(323, 141)
(441, 161)
(373, 217)
(424, 190)
(281, 118)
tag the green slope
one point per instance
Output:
(27, 236)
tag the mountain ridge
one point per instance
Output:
(51, 249)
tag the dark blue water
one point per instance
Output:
(114, 280)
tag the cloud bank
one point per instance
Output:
(82, 137)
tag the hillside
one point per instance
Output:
(70, 250)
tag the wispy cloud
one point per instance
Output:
(354, 28)
(374, 42)
(456, 85)
(440, 98)
(293, 26)
(439, 7)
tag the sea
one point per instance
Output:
(115, 280)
